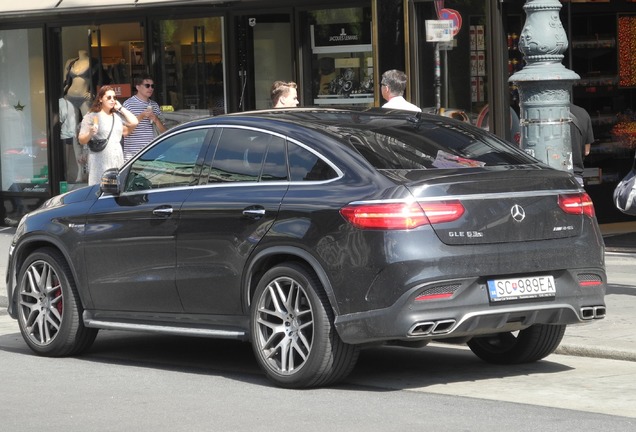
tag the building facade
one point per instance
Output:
(215, 57)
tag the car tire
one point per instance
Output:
(529, 345)
(293, 333)
(49, 308)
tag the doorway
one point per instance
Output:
(265, 55)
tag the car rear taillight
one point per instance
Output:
(401, 215)
(577, 204)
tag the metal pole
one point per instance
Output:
(445, 82)
(438, 84)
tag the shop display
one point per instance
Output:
(343, 57)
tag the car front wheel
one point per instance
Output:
(49, 308)
(293, 335)
(526, 346)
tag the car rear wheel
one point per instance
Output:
(293, 335)
(49, 308)
(526, 346)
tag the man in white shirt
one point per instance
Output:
(393, 86)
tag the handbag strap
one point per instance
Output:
(112, 126)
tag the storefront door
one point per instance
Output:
(265, 55)
(93, 56)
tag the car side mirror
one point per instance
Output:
(110, 182)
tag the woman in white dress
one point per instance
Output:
(103, 121)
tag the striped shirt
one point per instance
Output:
(145, 131)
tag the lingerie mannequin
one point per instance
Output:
(78, 76)
(77, 81)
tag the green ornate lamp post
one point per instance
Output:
(545, 86)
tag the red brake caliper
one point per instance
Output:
(59, 306)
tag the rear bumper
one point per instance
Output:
(469, 312)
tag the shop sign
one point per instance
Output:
(439, 30)
(336, 35)
(122, 90)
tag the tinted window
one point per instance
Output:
(431, 145)
(239, 155)
(306, 166)
(170, 163)
(275, 166)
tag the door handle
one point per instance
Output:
(163, 211)
(254, 212)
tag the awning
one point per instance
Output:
(43, 6)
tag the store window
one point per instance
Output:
(341, 70)
(23, 144)
(191, 68)
(92, 56)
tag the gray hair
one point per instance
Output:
(395, 80)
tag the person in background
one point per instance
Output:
(582, 137)
(148, 114)
(101, 122)
(392, 87)
(284, 94)
(68, 135)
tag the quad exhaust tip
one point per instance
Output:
(593, 312)
(432, 327)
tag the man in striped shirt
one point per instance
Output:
(148, 114)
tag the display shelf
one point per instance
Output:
(336, 100)
(597, 42)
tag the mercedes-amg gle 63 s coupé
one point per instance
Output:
(312, 233)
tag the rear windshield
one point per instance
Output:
(431, 145)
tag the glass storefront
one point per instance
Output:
(190, 64)
(341, 65)
(93, 56)
(23, 138)
(186, 62)
(209, 61)
(459, 85)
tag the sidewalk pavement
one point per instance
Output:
(613, 337)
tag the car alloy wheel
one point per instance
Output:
(293, 335)
(286, 325)
(48, 307)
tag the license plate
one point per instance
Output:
(521, 288)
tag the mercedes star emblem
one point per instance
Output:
(518, 213)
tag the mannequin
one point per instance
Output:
(77, 81)
(79, 75)
(68, 135)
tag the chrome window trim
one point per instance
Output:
(338, 171)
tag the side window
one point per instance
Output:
(170, 163)
(239, 156)
(275, 166)
(306, 166)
